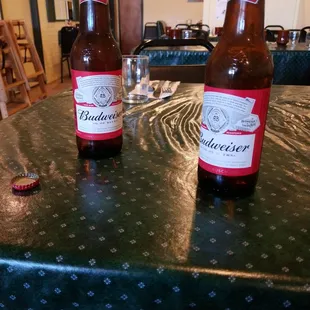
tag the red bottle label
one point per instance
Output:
(100, 1)
(232, 130)
(98, 106)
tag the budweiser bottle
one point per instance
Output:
(237, 88)
(96, 78)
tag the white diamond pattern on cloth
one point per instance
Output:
(188, 245)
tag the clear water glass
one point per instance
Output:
(135, 78)
(308, 39)
(294, 36)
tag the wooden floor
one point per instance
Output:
(52, 89)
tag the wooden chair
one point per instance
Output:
(13, 79)
(23, 45)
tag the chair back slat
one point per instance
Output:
(172, 43)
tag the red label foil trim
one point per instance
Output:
(232, 130)
(100, 1)
(98, 107)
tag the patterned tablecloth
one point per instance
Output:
(135, 231)
(292, 64)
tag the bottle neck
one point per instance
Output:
(244, 18)
(94, 17)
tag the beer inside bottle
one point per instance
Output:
(96, 63)
(238, 78)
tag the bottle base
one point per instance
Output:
(99, 149)
(98, 155)
(227, 187)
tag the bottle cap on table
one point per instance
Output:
(25, 181)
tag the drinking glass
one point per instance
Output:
(135, 78)
(308, 39)
(187, 34)
(294, 36)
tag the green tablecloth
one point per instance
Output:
(135, 231)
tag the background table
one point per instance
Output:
(292, 64)
(135, 232)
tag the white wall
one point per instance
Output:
(303, 18)
(172, 11)
(209, 14)
(51, 47)
(284, 14)
(289, 13)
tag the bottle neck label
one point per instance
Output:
(100, 1)
(232, 130)
(97, 104)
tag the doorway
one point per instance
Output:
(1, 12)
(36, 28)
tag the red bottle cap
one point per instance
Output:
(25, 181)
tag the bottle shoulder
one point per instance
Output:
(244, 53)
(240, 64)
(95, 51)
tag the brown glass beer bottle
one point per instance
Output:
(238, 78)
(96, 63)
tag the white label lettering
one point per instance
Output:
(99, 121)
(226, 151)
